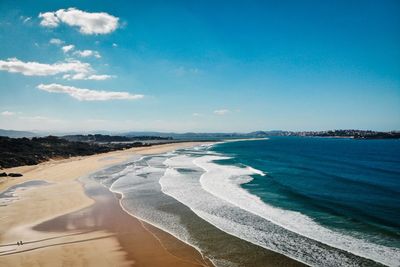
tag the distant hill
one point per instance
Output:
(101, 138)
(189, 135)
(208, 136)
(154, 136)
(357, 134)
(16, 134)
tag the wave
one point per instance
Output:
(141, 199)
(240, 223)
(223, 181)
(214, 193)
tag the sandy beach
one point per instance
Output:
(60, 225)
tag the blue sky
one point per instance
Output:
(199, 65)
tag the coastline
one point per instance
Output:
(65, 196)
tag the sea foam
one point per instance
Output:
(214, 193)
(241, 223)
(223, 182)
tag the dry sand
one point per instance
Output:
(61, 226)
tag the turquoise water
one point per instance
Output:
(350, 185)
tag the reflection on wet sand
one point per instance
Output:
(142, 243)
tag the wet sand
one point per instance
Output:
(143, 244)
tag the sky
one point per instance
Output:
(201, 66)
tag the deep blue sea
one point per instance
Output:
(351, 186)
(321, 201)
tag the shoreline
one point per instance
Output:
(64, 196)
(240, 249)
(75, 222)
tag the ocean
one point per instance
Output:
(320, 201)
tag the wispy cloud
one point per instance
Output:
(15, 65)
(38, 119)
(96, 120)
(87, 53)
(83, 94)
(56, 41)
(181, 71)
(7, 113)
(88, 23)
(67, 48)
(221, 112)
(25, 19)
(85, 76)
(71, 47)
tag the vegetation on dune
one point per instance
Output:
(24, 151)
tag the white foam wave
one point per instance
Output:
(216, 196)
(222, 181)
(227, 217)
(162, 220)
(255, 171)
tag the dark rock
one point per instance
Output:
(14, 174)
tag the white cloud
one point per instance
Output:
(15, 65)
(56, 41)
(221, 112)
(81, 53)
(101, 77)
(85, 76)
(87, 53)
(114, 45)
(197, 114)
(7, 113)
(83, 94)
(67, 48)
(72, 69)
(49, 19)
(88, 23)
